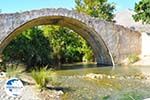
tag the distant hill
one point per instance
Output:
(125, 18)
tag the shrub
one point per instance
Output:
(133, 58)
(131, 96)
(41, 77)
(13, 71)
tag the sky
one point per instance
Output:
(11, 6)
(124, 4)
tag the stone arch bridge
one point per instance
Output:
(111, 43)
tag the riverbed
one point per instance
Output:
(91, 82)
(104, 83)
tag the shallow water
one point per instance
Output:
(118, 83)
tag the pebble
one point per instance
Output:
(2, 74)
(101, 76)
(60, 92)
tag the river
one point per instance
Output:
(104, 83)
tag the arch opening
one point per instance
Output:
(98, 46)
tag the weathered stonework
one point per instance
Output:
(111, 43)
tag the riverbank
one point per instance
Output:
(144, 61)
(30, 91)
(90, 83)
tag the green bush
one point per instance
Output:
(31, 47)
(41, 77)
(131, 96)
(13, 71)
(47, 45)
(133, 58)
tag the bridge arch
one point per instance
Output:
(99, 48)
(104, 37)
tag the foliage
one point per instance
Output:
(142, 9)
(41, 77)
(31, 48)
(133, 58)
(13, 71)
(88, 54)
(48, 45)
(131, 96)
(106, 97)
(67, 46)
(96, 8)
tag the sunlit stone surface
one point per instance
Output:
(111, 43)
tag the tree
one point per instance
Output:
(96, 8)
(31, 48)
(142, 10)
(48, 45)
(88, 55)
(67, 46)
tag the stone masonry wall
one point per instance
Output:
(110, 42)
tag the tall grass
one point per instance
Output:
(13, 71)
(41, 77)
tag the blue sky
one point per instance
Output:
(9, 6)
(124, 4)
